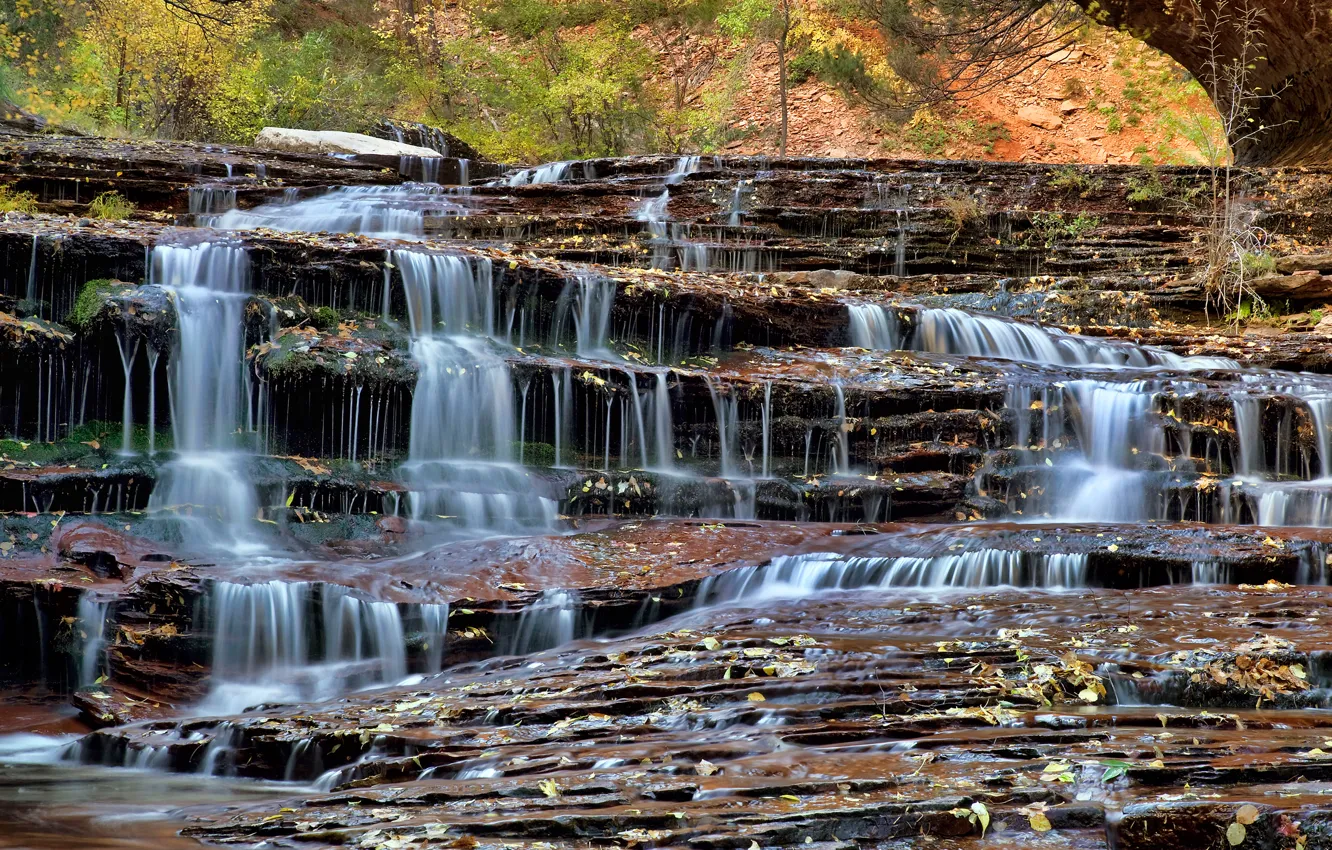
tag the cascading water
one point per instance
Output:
(798, 576)
(91, 627)
(296, 640)
(207, 202)
(684, 166)
(206, 479)
(952, 331)
(552, 172)
(874, 327)
(461, 454)
(394, 212)
(548, 622)
(587, 301)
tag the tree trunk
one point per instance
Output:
(1293, 65)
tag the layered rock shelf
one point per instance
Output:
(699, 502)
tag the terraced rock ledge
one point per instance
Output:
(697, 502)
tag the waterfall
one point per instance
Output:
(663, 425)
(207, 202)
(91, 627)
(588, 300)
(797, 576)
(300, 641)
(460, 456)
(206, 374)
(129, 352)
(1251, 458)
(684, 166)
(874, 327)
(548, 622)
(726, 406)
(32, 267)
(767, 428)
(734, 217)
(952, 331)
(391, 212)
(652, 212)
(553, 172)
(640, 426)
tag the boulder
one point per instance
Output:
(1304, 262)
(335, 142)
(1040, 117)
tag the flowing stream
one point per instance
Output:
(546, 401)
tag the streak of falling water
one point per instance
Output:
(209, 283)
(663, 426)
(552, 172)
(1250, 460)
(129, 352)
(874, 327)
(299, 641)
(684, 166)
(726, 407)
(639, 425)
(91, 626)
(652, 212)
(798, 576)
(953, 331)
(550, 621)
(587, 300)
(1321, 410)
(32, 267)
(843, 458)
(153, 355)
(398, 212)
(767, 427)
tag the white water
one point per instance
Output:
(265, 647)
(797, 576)
(952, 331)
(391, 212)
(461, 463)
(91, 628)
(586, 301)
(553, 172)
(550, 621)
(210, 283)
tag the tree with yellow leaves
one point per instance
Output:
(143, 67)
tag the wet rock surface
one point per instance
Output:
(838, 718)
(658, 502)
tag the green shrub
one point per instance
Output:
(12, 201)
(89, 302)
(325, 319)
(805, 65)
(1051, 229)
(1147, 189)
(1258, 265)
(1074, 181)
(111, 205)
(534, 454)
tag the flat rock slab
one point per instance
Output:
(838, 717)
(336, 142)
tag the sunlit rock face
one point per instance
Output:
(1288, 84)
